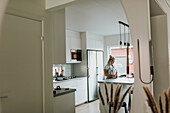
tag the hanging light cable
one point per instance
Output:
(124, 36)
(128, 42)
(120, 35)
(127, 68)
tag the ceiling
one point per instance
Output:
(96, 16)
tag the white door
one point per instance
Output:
(21, 66)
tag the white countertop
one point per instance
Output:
(77, 78)
(124, 80)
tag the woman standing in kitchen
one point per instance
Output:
(110, 70)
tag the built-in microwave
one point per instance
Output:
(76, 55)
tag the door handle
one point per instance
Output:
(97, 71)
(3, 96)
(88, 72)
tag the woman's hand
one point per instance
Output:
(114, 76)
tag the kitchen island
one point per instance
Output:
(125, 82)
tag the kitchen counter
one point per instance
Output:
(54, 81)
(78, 83)
(63, 91)
(124, 80)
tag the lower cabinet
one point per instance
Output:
(66, 100)
(80, 84)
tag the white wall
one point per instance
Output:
(160, 53)
(166, 9)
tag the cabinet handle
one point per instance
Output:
(4, 97)
(88, 72)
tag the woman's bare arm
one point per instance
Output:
(108, 75)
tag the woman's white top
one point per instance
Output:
(110, 69)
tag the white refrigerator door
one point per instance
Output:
(92, 78)
(99, 68)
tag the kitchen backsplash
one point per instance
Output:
(68, 69)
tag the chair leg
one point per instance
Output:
(124, 105)
(129, 103)
(110, 105)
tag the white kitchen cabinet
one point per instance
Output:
(95, 42)
(81, 91)
(91, 44)
(62, 40)
(100, 44)
(73, 41)
(80, 84)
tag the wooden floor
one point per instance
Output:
(92, 107)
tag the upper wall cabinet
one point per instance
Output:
(94, 41)
(62, 40)
(73, 42)
(74, 38)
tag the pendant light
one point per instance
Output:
(126, 42)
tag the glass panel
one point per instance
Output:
(120, 64)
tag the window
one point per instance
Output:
(121, 59)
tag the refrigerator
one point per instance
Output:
(95, 72)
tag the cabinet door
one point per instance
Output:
(99, 45)
(82, 91)
(91, 44)
(75, 43)
(80, 84)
